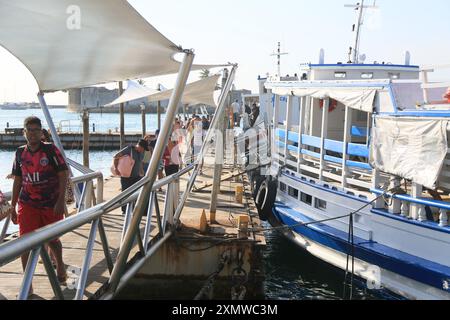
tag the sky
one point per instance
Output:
(247, 32)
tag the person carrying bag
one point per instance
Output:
(128, 165)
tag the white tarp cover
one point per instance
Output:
(355, 98)
(410, 148)
(199, 92)
(76, 43)
(133, 92)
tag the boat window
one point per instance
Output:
(320, 204)
(293, 192)
(282, 187)
(340, 75)
(394, 75)
(367, 75)
(306, 198)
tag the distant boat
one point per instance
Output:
(14, 106)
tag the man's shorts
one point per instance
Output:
(31, 219)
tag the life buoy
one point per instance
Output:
(332, 107)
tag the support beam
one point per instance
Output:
(301, 126)
(416, 192)
(276, 116)
(85, 119)
(289, 105)
(152, 171)
(218, 166)
(144, 127)
(122, 117)
(56, 139)
(324, 135)
(214, 125)
(347, 140)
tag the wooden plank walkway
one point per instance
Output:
(74, 243)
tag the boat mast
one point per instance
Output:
(278, 55)
(359, 7)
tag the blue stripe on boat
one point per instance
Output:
(407, 265)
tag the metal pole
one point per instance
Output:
(158, 111)
(55, 137)
(153, 169)
(85, 118)
(214, 124)
(29, 273)
(218, 166)
(358, 29)
(144, 129)
(87, 261)
(122, 117)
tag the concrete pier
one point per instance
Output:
(70, 141)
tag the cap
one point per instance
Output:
(144, 144)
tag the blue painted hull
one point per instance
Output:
(397, 262)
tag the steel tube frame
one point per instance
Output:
(87, 261)
(55, 135)
(51, 275)
(153, 168)
(28, 275)
(214, 124)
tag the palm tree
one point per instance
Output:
(141, 82)
(204, 74)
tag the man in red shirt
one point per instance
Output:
(40, 180)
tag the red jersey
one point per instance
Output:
(39, 172)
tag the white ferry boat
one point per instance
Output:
(360, 171)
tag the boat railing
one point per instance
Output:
(304, 153)
(35, 242)
(427, 85)
(414, 208)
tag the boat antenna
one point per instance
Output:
(357, 27)
(278, 54)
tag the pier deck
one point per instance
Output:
(74, 243)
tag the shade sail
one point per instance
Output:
(76, 43)
(134, 91)
(355, 98)
(199, 92)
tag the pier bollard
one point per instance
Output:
(239, 191)
(243, 222)
(203, 222)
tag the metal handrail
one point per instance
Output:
(14, 249)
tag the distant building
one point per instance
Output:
(95, 98)
(237, 94)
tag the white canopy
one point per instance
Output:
(133, 92)
(413, 149)
(355, 98)
(201, 91)
(76, 43)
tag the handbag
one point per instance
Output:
(124, 167)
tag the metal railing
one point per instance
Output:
(35, 242)
(140, 200)
(405, 202)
